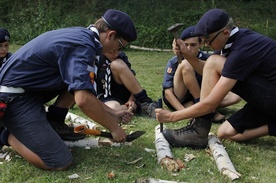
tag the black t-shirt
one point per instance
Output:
(250, 53)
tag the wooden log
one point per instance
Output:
(164, 155)
(221, 157)
(78, 120)
(162, 146)
(89, 141)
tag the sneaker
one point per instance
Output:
(148, 109)
(194, 135)
(66, 132)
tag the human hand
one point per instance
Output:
(118, 135)
(163, 115)
(124, 116)
(182, 49)
(175, 48)
(131, 105)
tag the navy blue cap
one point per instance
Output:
(121, 23)
(4, 35)
(187, 33)
(212, 21)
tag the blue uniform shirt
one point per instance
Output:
(54, 60)
(171, 69)
(251, 52)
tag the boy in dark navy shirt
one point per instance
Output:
(59, 63)
(119, 88)
(246, 65)
(181, 84)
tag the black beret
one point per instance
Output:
(187, 33)
(4, 35)
(212, 21)
(122, 23)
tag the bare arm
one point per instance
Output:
(172, 99)
(230, 99)
(182, 49)
(205, 106)
(101, 113)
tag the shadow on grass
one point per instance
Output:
(265, 143)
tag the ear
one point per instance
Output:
(201, 43)
(111, 34)
(226, 32)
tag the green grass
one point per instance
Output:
(254, 160)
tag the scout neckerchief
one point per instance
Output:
(94, 69)
(229, 42)
(104, 78)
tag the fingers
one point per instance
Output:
(130, 109)
(157, 113)
(163, 115)
(119, 135)
(175, 47)
(179, 43)
(126, 118)
(119, 140)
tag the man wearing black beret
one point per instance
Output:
(59, 63)
(245, 64)
(181, 84)
(4, 45)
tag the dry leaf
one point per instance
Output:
(111, 175)
(189, 157)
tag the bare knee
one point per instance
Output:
(221, 134)
(115, 105)
(215, 63)
(226, 131)
(117, 65)
(186, 67)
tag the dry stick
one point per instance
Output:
(221, 157)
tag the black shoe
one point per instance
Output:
(66, 132)
(194, 135)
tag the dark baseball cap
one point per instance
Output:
(4, 35)
(212, 21)
(188, 33)
(121, 23)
